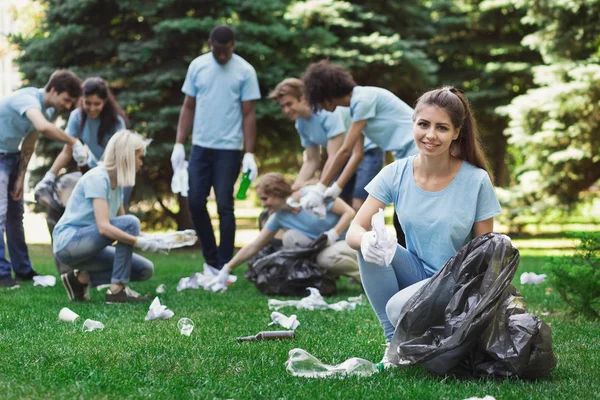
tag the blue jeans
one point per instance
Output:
(89, 251)
(367, 169)
(382, 283)
(11, 221)
(218, 169)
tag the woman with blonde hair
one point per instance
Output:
(94, 218)
(300, 227)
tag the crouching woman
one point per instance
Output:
(94, 218)
(301, 228)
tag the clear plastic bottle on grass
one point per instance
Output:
(302, 363)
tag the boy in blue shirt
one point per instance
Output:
(25, 114)
(220, 91)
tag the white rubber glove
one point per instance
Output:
(332, 193)
(80, 153)
(370, 252)
(332, 236)
(314, 201)
(48, 179)
(147, 244)
(220, 281)
(248, 163)
(177, 156)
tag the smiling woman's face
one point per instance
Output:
(433, 131)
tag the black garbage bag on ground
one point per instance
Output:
(288, 272)
(470, 320)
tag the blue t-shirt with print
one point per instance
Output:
(319, 128)
(14, 124)
(304, 222)
(436, 224)
(79, 212)
(219, 91)
(389, 119)
(89, 134)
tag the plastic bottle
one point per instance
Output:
(301, 363)
(244, 185)
(267, 335)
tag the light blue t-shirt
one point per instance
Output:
(89, 134)
(219, 91)
(14, 124)
(436, 224)
(345, 111)
(319, 128)
(79, 212)
(304, 222)
(389, 119)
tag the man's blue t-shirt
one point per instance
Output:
(79, 213)
(319, 128)
(389, 119)
(304, 222)
(369, 145)
(436, 224)
(89, 134)
(14, 124)
(219, 91)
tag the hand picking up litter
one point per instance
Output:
(385, 241)
(158, 311)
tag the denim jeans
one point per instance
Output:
(218, 169)
(89, 251)
(367, 170)
(11, 221)
(382, 283)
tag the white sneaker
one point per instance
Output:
(210, 270)
(385, 360)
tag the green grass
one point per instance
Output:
(41, 357)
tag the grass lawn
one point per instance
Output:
(41, 357)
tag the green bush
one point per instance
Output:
(577, 278)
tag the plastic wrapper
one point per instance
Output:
(470, 320)
(288, 272)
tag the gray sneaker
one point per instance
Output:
(126, 295)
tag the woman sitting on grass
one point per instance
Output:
(443, 197)
(301, 229)
(94, 218)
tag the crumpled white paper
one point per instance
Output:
(160, 288)
(44, 280)
(315, 302)
(532, 278)
(180, 180)
(174, 240)
(200, 280)
(385, 240)
(287, 322)
(158, 311)
(89, 325)
(487, 397)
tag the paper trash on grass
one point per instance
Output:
(532, 278)
(289, 323)
(44, 280)
(303, 364)
(487, 397)
(160, 288)
(199, 280)
(315, 302)
(158, 311)
(384, 239)
(174, 240)
(185, 326)
(89, 325)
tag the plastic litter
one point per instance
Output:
(244, 186)
(90, 325)
(174, 240)
(288, 272)
(160, 288)
(301, 363)
(185, 326)
(158, 311)
(385, 240)
(486, 397)
(315, 301)
(67, 315)
(200, 280)
(289, 323)
(180, 180)
(469, 320)
(532, 278)
(44, 280)
(268, 335)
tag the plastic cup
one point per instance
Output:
(67, 315)
(185, 326)
(89, 325)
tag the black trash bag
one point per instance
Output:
(288, 272)
(470, 320)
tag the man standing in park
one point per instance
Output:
(220, 92)
(25, 114)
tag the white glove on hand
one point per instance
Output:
(332, 236)
(332, 193)
(148, 244)
(248, 163)
(220, 281)
(80, 153)
(314, 201)
(370, 252)
(46, 180)
(177, 156)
